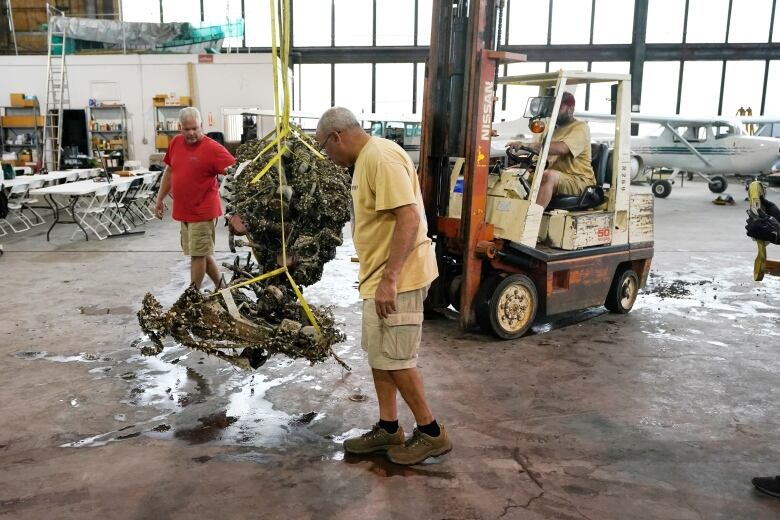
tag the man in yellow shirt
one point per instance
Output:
(397, 265)
(570, 171)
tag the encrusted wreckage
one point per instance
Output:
(247, 325)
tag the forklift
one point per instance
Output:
(504, 261)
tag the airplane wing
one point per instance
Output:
(661, 120)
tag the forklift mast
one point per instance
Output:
(457, 123)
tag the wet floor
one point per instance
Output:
(666, 412)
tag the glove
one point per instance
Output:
(762, 226)
(771, 208)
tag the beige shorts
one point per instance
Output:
(197, 238)
(571, 184)
(392, 343)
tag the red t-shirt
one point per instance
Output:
(194, 184)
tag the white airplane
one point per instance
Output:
(708, 147)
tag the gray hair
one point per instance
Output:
(189, 113)
(336, 119)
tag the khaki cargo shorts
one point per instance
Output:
(569, 184)
(392, 343)
(197, 238)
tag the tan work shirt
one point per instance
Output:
(576, 135)
(385, 178)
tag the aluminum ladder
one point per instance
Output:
(57, 94)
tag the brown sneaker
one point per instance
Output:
(376, 440)
(419, 447)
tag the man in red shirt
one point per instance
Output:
(193, 162)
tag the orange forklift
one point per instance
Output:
(504, 261)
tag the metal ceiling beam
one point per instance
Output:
(569, 52)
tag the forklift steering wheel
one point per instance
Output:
(531, 151)
(514, 158)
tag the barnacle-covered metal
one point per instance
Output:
(247, 325)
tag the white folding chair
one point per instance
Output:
(28, 201)
(93, 211)
(113, 212)
(84, 175)
(15, 204)
(145, 194)
(72, 177)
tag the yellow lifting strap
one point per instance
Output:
(283, 128)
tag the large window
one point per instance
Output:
(659, 87)
(424, 22)
(665, 19)
(354, 22)
(394, 22)
(776, 27)
(528, 22)
(394, 88)
(570, 21)
(141, 11)
(707, 21)
(223, 11)
(257, 25)
(314, 91)
(772, 105)
(750, 21)
(311, 22)
(353, 86)
(613, 21)
(701, 88)
(743, 86)
(181, 11)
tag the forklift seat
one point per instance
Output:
(593, 195)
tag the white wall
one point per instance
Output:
(233, 80)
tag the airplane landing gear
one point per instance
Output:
(718, 184)
(662, 189)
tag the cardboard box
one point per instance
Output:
(159, 100)
(185, 101)
(577, 230)
(17, 100)
(31, 102)
(161, 142)
(21, 121)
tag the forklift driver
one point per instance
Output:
(570, 171)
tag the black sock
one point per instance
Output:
(431, 429)
(389, 426)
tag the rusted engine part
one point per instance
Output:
(267, 318)
(315, 195)
(271, 325)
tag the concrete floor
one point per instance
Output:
(664, 413)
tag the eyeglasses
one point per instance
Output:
(325, 142)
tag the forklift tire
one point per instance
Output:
(623, 292)
(662, 189)
(507, 306)
(718, 184)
